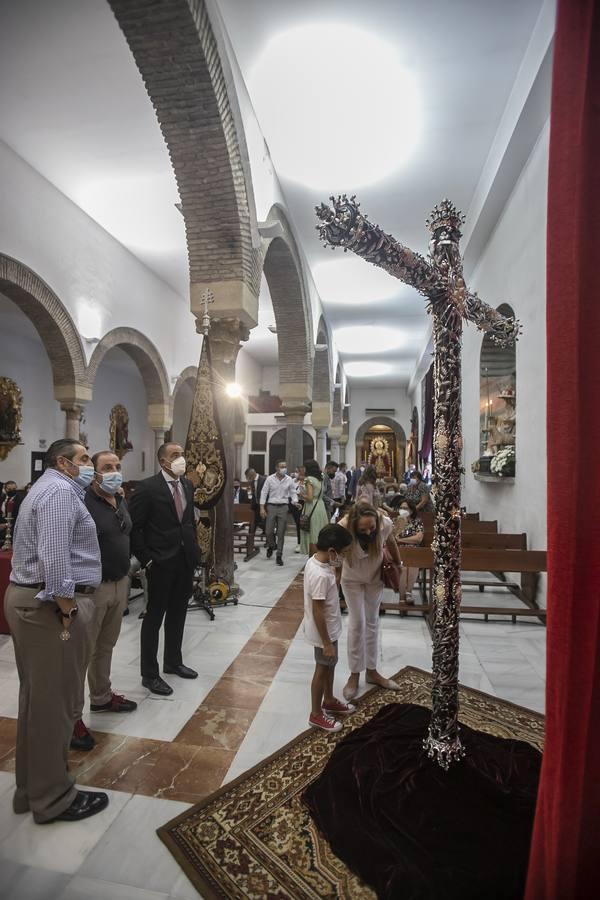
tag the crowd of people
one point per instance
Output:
(77, 536)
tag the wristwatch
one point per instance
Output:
(68, 615)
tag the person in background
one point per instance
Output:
(349, 476)
(163, 538)
(408, 532)
(328, 476)
(339, 488)
(418, 492)
(55, 568)
(363, 589)
(409, 473)
(254, 489)
(240, 494)
(277, 493)
(366, 487)
(296, 508)
(356, 476)
(314, 507)
(323, 625)
(108, 509)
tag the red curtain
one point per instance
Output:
(565, 855)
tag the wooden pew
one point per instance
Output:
(244, 525)
(528, 564)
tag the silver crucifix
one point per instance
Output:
(440, 280)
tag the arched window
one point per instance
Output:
(497, 407)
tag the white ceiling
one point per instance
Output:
(74, 107)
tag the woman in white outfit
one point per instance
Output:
(363, 590)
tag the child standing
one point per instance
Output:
(323, 624)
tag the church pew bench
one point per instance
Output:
(527, 564)
(244, 526)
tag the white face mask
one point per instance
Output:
(178, 466)
(283, 471)
(85, 476)
(413, 481)
(403, 513)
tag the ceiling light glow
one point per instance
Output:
(368, 339)
(366, 369)
(89, 321)
(331, 129)
(233, 390)
(349, 280)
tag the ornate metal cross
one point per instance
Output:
(440, 280)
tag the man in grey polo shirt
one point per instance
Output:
(49, 605)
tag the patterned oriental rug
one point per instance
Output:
(255, 837)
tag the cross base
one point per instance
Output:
(443, 752)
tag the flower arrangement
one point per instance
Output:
(503, 463)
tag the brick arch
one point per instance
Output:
(337, 411)
(187, 79)
(146, 357)
(190, 376)
(322, 387)
(291, 305)
(382, 420)
(52, 322)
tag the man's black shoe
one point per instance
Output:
(157, 686)
(85, 804)
(182, 671)
(279, 561)
(269, 552)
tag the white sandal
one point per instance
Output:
(388, 686)
(349, 693)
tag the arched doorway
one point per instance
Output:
(277, 448)
(382, 442)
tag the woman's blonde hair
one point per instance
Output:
(361, 510)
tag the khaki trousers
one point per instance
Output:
(110, 601)
(51, 675)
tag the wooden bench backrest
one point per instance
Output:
(243, 512)
(485, 540)
(481, 560)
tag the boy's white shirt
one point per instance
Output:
(320, 584)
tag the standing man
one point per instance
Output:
(108, 509)
(356, 475)
(278, 491)
(339, 486)
(55, 569)
(328, 476)
(255, 486)
(164, 540)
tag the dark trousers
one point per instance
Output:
(170, 587)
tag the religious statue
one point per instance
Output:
(502, 433)
(379, 457)
(440, 280)
(11, 404)
(119, 431)
(413, 441)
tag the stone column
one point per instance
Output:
(159, 439)
(322, 446)
(335, 433)
(72, 420)
(294, 420)
(237, 471)
(343, 445)
(225, 336)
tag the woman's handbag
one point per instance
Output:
(390, 572)
(305, 520)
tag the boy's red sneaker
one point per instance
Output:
(338, 708)
(326, 723)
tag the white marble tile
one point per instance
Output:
(146, 860)
(59, 846)
(94, 889)
(20, 882)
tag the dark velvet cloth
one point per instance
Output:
(412, 831)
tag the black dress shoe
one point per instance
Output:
(85, 804)
(279, 561)
(182, 671)
(269, 552)
(157, 686)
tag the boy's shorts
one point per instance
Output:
(328, 661)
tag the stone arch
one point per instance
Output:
(283, 270)
(322, 387)
(150, 365)
(189, 82)
(182, 400)
(337, 409)
(399, 434)
(54, 325)
(188, 376)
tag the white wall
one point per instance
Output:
(83, 264)
(362, 399)
(512, 269)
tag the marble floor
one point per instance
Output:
(250, 698)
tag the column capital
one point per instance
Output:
(294, 415)
(232, 299)
(225, 337)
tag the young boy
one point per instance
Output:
(323, 624)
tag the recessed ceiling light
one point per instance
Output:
(368, 339)
(366, 369)
(328, 138)
(351, 280)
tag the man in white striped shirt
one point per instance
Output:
(278, 492)
(49, 606)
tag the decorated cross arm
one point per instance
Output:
(439, 279)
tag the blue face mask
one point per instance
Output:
(111, 482)
(85, 476)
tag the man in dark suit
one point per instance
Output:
(164, 540)
(240, 494)
(255, 486)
